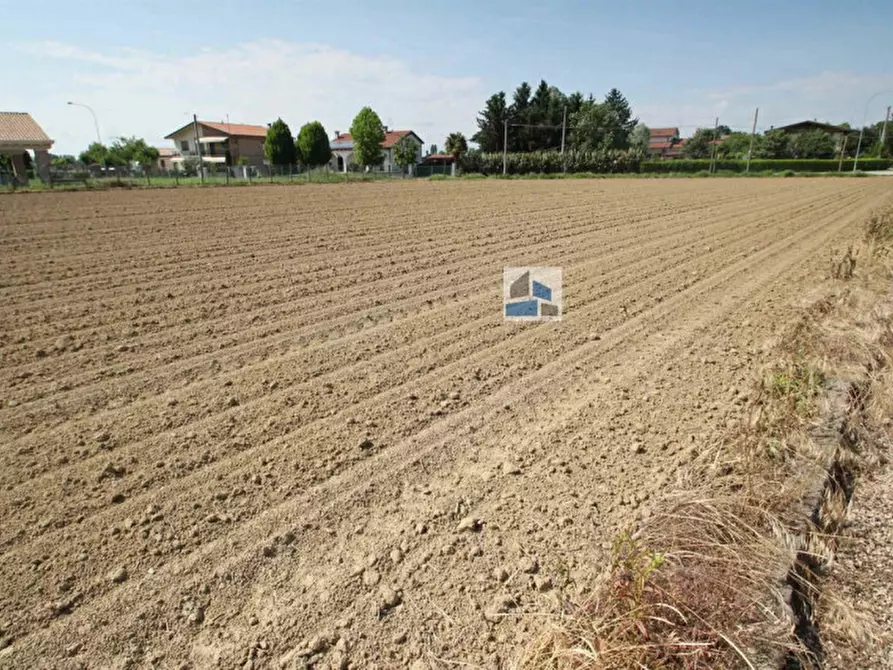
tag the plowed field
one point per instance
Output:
(277, 426)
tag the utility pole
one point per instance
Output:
(563, 129)
(858, 148)
(753, 134)
(713, 146)
(842, 153)
(862, 131)
(505, 143)
(884, 130)
(198, 148)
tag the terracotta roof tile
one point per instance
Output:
(390, 139)
(664, 132)
(20, 128)
(237, 129)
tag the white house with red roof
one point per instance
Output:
(342, 149)
(215, 139)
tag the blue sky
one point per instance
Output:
(146, 67)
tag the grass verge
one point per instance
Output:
(730, 574)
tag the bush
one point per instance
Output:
(551, 162)
(763, 165)
(613, 162)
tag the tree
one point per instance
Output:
(639, 138)
(490, 120)
(432, 149)
(574, 102)
(775, 144)
(368, 134)
(313, 147)
(812, 144)
(521, 113)
(735, 146)
(884, 150)
(406, 152)
(590, 127)
(536, 117)
(129, 150)
(279, 145)
(95, 154)
(620, 121)
(62, 161)
(456, 146)
(698, 145)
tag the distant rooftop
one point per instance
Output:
(800, 126)
(391, 137)
(228, 129)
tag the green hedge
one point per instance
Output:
(552, 162)
(613, 162)
(763, 165)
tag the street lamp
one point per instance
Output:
(862, 130)
(95, 124)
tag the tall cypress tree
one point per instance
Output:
(279, 145)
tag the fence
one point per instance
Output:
(431, 170)
(98, 177)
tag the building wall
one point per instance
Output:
(184, 135)
(387, 156)
(251, 148)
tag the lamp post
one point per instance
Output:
(95, 125)
(862, 129)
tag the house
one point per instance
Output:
(675, 150)
(20, 133)
(165, 156)
(840, 133)
(243, 141)
(661, 141)
(342, 149)
(802, 126)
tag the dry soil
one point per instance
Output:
(288, 425)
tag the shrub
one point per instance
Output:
(763, 164)
(551, 162)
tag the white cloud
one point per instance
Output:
(829, 96)
(151, 94)
(816, 86)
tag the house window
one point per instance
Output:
(184, 145)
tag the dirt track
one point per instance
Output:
(186, 378)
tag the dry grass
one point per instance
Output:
(708, 583)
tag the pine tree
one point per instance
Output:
(489, 136)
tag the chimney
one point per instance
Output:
(385, 130)
(337, 134)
